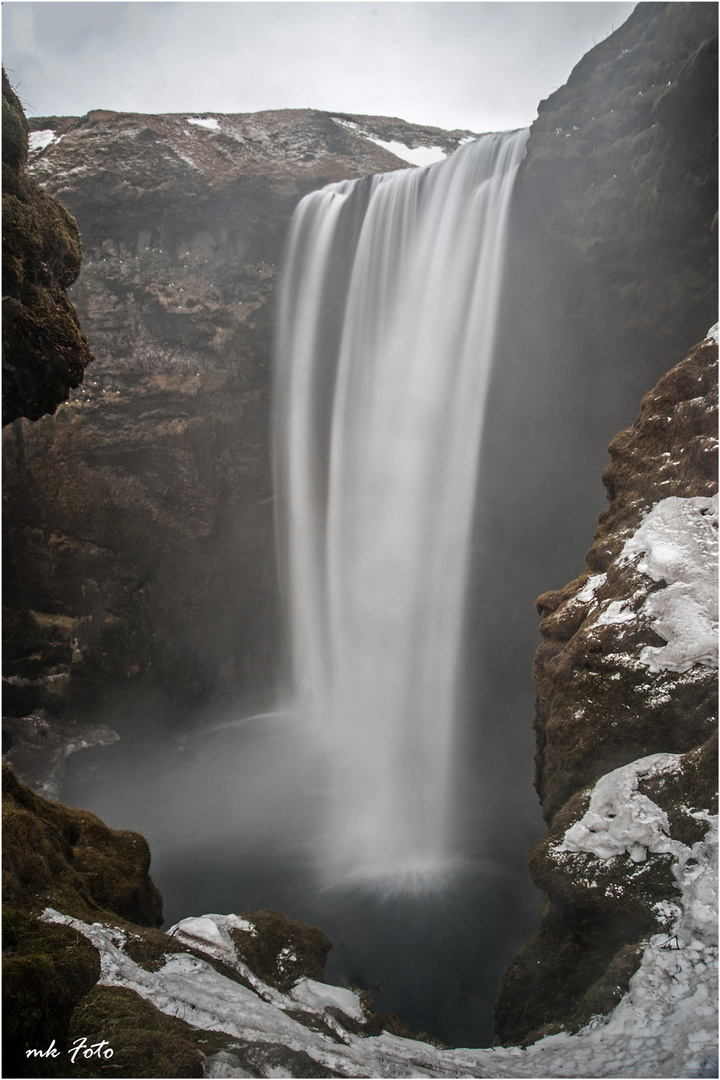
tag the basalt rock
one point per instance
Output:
(44, 351)
(624, 675)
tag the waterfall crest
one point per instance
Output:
(387, 322)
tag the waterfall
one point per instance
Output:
(387, 323)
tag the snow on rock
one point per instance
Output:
(677, 543)
(591, 586)
(414, 155)
(209, 933)
(614, 613)
(697, 877)
(620, 819)
(319, 996)
(206, 122)
(38, 140)
(664, 1026)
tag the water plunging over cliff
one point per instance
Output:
(385, 346)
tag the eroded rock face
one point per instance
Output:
(621, 174)
(626, 764)
(140, 518)
(600, 703)
(44, 351)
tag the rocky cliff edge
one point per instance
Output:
(626, 764)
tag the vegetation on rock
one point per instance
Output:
(66, 859)
(280, 950)
(44, 351)
(599, 708)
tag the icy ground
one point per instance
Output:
(677, 543)
(664, 1026)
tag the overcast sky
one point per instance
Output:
(482, 66)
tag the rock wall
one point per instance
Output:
(611, 276)
(44, 351)
(140, 536)
(621, 177)
(626, 688)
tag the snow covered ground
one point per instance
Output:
(664, 1026)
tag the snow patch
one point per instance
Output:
(665, 1026)
(677, 544)
(414, 155)
(39, 140)
(319, 996)
(620, 819)
(205, 122)
(616, 612)
(591, 586)
(713, 333)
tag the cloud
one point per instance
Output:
(482, 66)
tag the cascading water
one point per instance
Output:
(386, 334)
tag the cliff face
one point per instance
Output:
(44, 351)
(621, 176)
(140, 518)
(626, 715)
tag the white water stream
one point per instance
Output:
(386, 335)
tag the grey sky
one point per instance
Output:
(483, 66)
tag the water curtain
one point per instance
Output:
(387, 328)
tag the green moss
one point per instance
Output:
(14, 130)
(46, 969)
(602, 997)
(281, 951)
(44, 350)
(144, 1041)
(67, 859)
(578, 966)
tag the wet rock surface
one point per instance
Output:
(619, 682)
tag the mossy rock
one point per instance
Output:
(56, 856)
(281, 951)
(577, 966)
(44, 350)
(46, 970)
(144, 1041)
